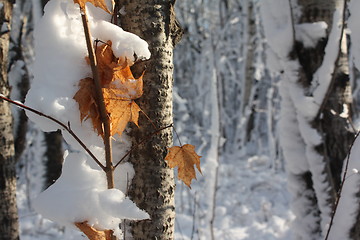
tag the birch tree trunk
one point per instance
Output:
(8, 209)
(152, 187)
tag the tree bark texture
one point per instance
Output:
(8, 209)
(152, 188)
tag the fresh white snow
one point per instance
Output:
(310, 33)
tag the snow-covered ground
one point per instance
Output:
(252, 202)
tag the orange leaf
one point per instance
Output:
(92, 233)
(106, 63)
(126, 85)
(86, 98)
(184, 158)
(119, 89)
(117, 74)
(121, 111)
(97, 3)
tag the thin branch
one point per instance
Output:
(100, 101)
(141, 142)
(67, 128)
(341, 187)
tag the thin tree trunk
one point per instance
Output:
(8, 209)
(152, 187)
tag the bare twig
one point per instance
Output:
(100, 101)
(341, 188)
(67, 128)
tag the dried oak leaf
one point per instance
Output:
(92, 233)
(97, 3)
(184, 158)
(119, 89)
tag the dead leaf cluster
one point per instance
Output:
(119, 88)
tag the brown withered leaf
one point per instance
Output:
(121, 110)
(184, 158)
(97, 3)
(113, 70)
(119, 89)
(92, 233)
(86, 99)
(106, 63)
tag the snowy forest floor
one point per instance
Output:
(252, 202)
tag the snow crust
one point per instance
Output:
(80, 193)
(310, 33)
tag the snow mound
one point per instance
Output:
(310, 33)
(80, 195)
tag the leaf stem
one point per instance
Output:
(104, 117)
(177, 136)
(67, 128)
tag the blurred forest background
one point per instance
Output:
(249, 93)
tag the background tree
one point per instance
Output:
(321, 131)
(8, 209)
